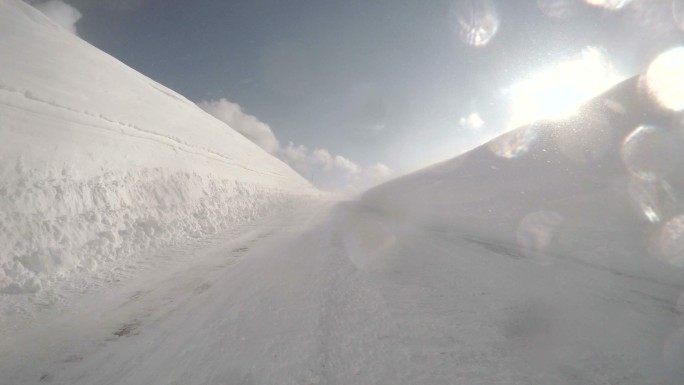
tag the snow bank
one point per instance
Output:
(100, 163)
(49, 226)
(604, 187)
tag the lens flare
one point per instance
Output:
(558, 9)
(653, 200)
(650, 213)
(515, 143)
(651, 153)
(665, 79)
(557, 92)
(477, 21)
(611, 5)
(671, 242)
(644, 198)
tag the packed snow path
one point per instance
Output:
(337, 294)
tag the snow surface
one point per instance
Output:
(551, 255)
(99, 163)
(416, 283)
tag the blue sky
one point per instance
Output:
(381, 81)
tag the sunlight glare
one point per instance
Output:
(558, 92)
(665, 79)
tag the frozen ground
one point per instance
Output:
(520, 262)
(138, 251)
(338, 294)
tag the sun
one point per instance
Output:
(557, 92)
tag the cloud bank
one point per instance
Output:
(325, 170)
(334, 173)
(300, 157)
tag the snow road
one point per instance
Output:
(335, 293)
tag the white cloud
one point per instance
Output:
(374, 175)
(323, 158)
(61, 13)
(248, 125)
(367, 178)
(472, 121)
(335, 173)
(295, 155)
(320, 158)
(380, 172)
(299, 156)
(346, 164)
(331, 172)
(327, 171)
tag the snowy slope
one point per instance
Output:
(551, 255)
(99, 163)
(570, 235)
(607, 181)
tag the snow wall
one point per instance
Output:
(100, 163)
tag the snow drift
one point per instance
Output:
(98, 162)
(603, 187)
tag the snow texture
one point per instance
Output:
(550, 255)
(100, 163)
